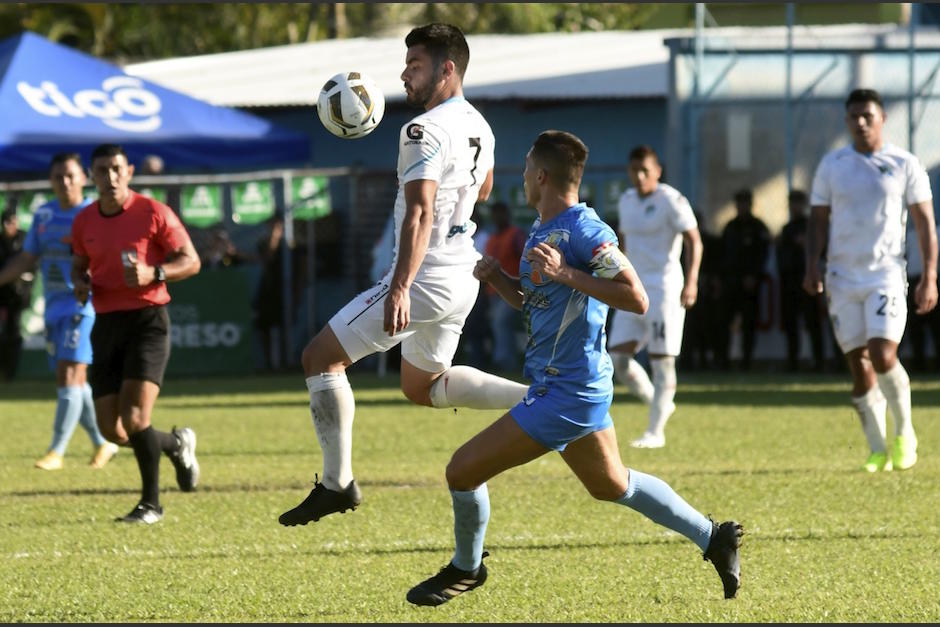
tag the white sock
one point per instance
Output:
(333, 408)
(871, 409)
(664, 391)
(463, 386)
(896, 386)
(630, 373)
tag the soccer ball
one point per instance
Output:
(351, 105)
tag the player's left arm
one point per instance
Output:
(614, 281)
(925, 294)
(693, 263)
(486, 188)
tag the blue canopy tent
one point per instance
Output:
(54, 98)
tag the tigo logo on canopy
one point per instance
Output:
(120, 98)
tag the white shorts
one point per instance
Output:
(861, 311)
(441, 300)
(659, 329)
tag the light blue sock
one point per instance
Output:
(89, 419)
(68, 409)
(471, 513)
(653, 498)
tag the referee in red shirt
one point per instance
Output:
(125, 247)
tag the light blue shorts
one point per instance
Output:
(68, 338)
(555, 416)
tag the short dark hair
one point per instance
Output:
(562, 155)
(864, 95)
(797, 195)
(7, 215)
(642, 152)
(442, 41)
(744, 194)
(64, 157)
(107, 150)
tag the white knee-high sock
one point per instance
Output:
(333, 408)
(630, 373)
(463, 386)
(896, 387)
(664, 392)
(871, 408)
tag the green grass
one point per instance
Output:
(824, 542)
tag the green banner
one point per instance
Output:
(252, 202)
(157, 193)
(201, 205)
(3, 201)
(210, 321)
(310, 197)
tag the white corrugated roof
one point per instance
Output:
(552, 65)
(608, 64)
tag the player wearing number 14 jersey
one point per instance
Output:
(654, 221)
(445, 166)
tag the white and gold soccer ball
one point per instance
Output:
(351, 105)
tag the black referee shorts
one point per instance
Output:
(132, 344)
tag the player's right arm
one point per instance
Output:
(412, 246)
(489, 270)
(817, 234)
(22, 262)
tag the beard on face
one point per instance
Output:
(421, 96)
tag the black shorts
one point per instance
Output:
(132, 344)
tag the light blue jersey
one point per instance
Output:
(566, 358)
(49, 238)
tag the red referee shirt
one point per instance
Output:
(144, 225)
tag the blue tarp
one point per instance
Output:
(55, 98)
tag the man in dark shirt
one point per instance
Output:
(14, 297)
(795, 303)
(745, 245)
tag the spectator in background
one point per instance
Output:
(745, 247)
(919, 325)
(505, 244)
(476, 341)
(220, 251)
(68, 322)
(703, 319)
(268, 303)
(795, 303)
(151, 164)
(14, 296)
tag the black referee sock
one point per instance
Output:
(146, 445)
(169, 443)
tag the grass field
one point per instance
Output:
(824, 542)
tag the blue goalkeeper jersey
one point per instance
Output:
(50, 239)
(565, 327)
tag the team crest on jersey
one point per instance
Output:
(884, 168)
(555, 238)
(607, 260)
(649, 209)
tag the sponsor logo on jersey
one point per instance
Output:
(415, 131)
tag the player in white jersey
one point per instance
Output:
(445, 165)
(654, 221)
(862, 195)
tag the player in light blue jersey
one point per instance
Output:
(68, 322)
(571, 272)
